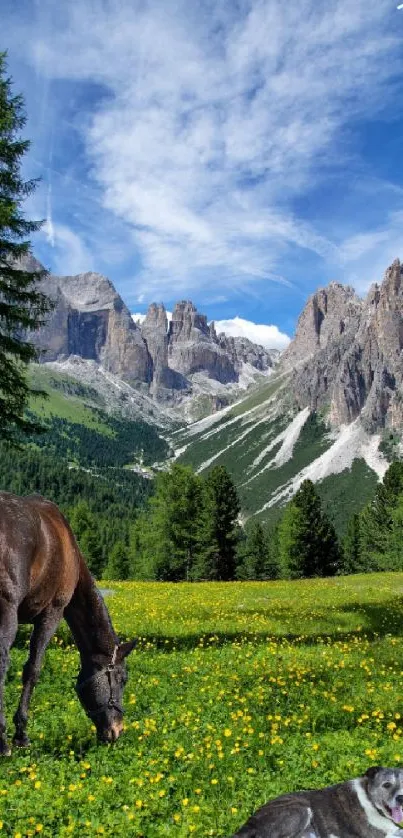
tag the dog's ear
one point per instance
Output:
(372, 772)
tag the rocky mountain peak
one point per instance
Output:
(391, 290)
(27, 262)
(154, 330)
(329, 313)
(90, 320)
(243, 351)
(156, 317)
(187, 323)
(193, 345)
(347, 353)
(89, 292)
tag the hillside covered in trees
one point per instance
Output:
(189, 529)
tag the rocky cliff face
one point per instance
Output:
(154, 330)
(347, 353)
(330, 316)
(243, 351)
(193, 345)
(90, 320)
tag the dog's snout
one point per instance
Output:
(399, 799)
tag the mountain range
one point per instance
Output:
(173, 363)
(329, 408)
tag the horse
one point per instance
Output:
(43, 578)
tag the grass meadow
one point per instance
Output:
(237, 692)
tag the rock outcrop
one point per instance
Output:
(193, 345)
(331, 315)
(154, 330)
(90, 319)
(347, 353)
(243, 351)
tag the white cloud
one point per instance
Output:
(268, 336)
(138, 318)
(70, 254)
(216, 118)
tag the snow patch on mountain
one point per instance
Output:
(352, 443)
(290, 437)
(250, 427)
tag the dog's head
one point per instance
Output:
(385, 790)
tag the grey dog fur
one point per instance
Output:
(354, 809)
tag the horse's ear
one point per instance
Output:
(124, 649)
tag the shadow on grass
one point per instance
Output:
(376, 622)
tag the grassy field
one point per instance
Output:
(237, 692)
(65, 405)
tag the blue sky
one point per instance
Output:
(239, 154)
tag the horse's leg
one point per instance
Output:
(8, 631)
(45, 625)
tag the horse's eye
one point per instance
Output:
(387, 785)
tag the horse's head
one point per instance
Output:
(101, 694)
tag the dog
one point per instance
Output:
(370, 806)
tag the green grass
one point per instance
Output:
(78, 429)
(237, 692)
(260, 395)
(64, 403)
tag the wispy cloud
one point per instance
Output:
(210, 122)
(49, 228)
(70, 251)
(367, 255)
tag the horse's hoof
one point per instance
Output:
(21, 741)
(5, 750)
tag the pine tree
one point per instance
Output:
(84, 525)
(223, 508)
(22, 305)
(308, 543)
(117, 566)
(272, 568)
(136, 568)
(254, 553)
(174, 532)
(393, 559)
(376, 520)
(351, 558)
(290, 530)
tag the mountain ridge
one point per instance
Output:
(171, 363)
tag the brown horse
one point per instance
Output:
(43, 577)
